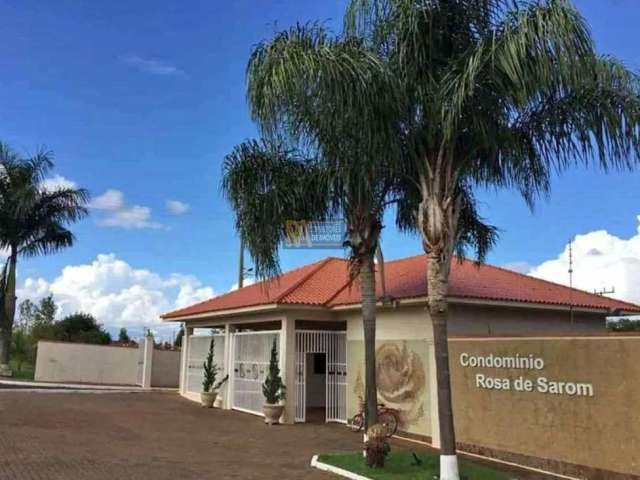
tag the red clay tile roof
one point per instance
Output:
(325, 283)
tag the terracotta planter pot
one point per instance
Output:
(207, 398)
(272, 413)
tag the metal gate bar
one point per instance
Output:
(198, 350)
(250, 357)
(333, 345)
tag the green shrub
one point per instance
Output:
(210, 369)
(273, 388)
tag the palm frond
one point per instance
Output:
(473, 232)
(268, 186)
(33, 220)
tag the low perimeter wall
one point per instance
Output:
(105, 364)
(83, 363)
(567, 404)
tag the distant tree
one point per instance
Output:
(82, 328)
(123, 336)
(47, 310)
(33, 221)
(35, 322)
(178, 341)
(27, 314)
(22, 349)
(40, 319)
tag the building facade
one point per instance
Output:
(313, 315)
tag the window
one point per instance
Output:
(319, 363)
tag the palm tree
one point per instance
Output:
(269, 186)
(33, 222)
(318, 159)
(496, 94)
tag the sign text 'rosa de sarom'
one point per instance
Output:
(540, 384)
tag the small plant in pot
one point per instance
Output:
(209, 393)
(273, 390)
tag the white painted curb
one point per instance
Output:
(335, 470)
(26, 385)
(66, 390)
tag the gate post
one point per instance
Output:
(184, 359)
(288, 367)
(228, 367)
(147, 361)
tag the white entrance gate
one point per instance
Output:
(250, 354)
(198, 351)
(334, 345)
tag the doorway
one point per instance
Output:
(332, 360)
(316, 387)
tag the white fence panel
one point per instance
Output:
(251, 353)
(333, 344)
(198, 350)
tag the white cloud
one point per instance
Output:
(152, 66)
(109, 200)
(247, 281)
(600, 261)
(119, 214)
(520, 267)
(57, 182)
(176, 207)
(117, 294)
(135, 216)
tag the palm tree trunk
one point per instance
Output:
(368, 292)
(8, 315)
(241, 265)
(438, 282)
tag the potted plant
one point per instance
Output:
(208, 395)
(273, 390)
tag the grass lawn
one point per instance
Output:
(401, 465)
(25, 372)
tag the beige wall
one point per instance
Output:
(77, 362)
(483, 320)
(403, 365)
(165, 369)
(104, 364)
(405, 341)
(600, 431)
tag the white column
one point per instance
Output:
(147, 361)
(228, 367)
(433, 397)
(288, 367)
(184, 355)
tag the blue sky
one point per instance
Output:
(147, 97)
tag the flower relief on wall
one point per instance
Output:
(401, 382)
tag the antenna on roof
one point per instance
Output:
(571, 280)
(604, 291)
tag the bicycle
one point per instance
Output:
(388, 417)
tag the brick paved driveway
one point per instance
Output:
(152, 436)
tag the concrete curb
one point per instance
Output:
(35, 385)
(335, 470)
(66, 390)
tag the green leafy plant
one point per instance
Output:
(273, 388)
(210, 370)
